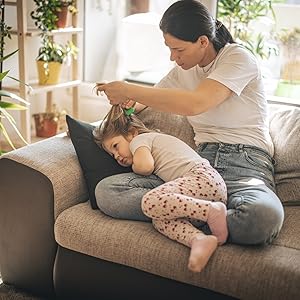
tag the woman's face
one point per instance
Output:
(187, 54)
(118, 148)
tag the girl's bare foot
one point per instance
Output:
(202, 248)
(217, 221)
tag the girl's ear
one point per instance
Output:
(132, 133)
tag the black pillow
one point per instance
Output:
(96, 164)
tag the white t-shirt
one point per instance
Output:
(240, 119)
(172, 157)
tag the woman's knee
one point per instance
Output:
(103, 193)
(255, 221)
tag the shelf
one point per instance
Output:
(36, 88)
(35, 32)
(11, 3)
(73, 81)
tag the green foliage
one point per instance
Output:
(45, 19)
(4, 29)
(45, 14)
(51, 51)
(237, 15)
(6, 106)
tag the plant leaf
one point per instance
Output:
(2, 128)
(18, 80)
(12, 106)
(13, 96)
(3, 74)
(12, 122)
(8, 55)
(7, 115)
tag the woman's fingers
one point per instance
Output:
(128, 104)
(100, 87)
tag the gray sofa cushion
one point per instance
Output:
(285, 133)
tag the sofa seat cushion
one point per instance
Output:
(241, 272)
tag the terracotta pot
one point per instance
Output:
(45, 124)
(62, 17)
(54, 72)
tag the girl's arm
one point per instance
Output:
(143, 162)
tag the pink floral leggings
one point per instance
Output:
(173, 205)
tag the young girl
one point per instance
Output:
(190, 189)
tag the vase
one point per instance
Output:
(62, 17)
(45, 124)
(54, 69)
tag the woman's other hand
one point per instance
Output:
(115, 91)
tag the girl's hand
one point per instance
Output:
(116, 91)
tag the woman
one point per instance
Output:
(218, 85)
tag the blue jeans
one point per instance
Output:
(255, 213)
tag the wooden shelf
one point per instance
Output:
(37, 88)
(11, 3)
(31, 32)
(23, 35)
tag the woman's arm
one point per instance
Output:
(143, 162)
(207, 95)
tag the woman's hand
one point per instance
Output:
(116, 92)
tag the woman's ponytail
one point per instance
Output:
(222, 36)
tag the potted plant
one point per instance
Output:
(50, 58)
(52, 14)
(62, 12)
(51, 55)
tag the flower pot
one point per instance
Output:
(54, 69)
(62, 17)
(45, 124)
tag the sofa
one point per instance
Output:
(53, 244)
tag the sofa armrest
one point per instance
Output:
(56, 159)
(37, 183)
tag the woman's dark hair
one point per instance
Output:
(187, 20)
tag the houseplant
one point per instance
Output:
(5, 106)
(238, 16)
(51, 56)
(52, 14)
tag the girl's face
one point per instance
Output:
(118, 148)
(187, 54)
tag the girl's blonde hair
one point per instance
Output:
(117, 123)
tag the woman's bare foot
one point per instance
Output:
(217, 221)
(202, 248)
